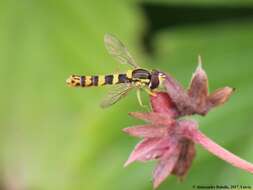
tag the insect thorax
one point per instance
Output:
(141, 74)
(145, 77)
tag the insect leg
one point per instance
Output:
(149, 92)
(138, 92)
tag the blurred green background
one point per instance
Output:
(55, 137)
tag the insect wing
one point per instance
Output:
(116, 94)
(117, 49)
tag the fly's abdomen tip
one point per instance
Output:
(69, 81)
(73, 81)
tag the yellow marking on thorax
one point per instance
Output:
(129, 74)
(101, 80)
(88, 80)
(115, 78)
(145, 80)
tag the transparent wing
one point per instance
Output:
(116, 94)
(117, 49)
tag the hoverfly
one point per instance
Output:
(137, 78)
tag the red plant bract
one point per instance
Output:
(171, 140)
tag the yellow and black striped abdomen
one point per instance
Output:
(99, 80)
(86, 81)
